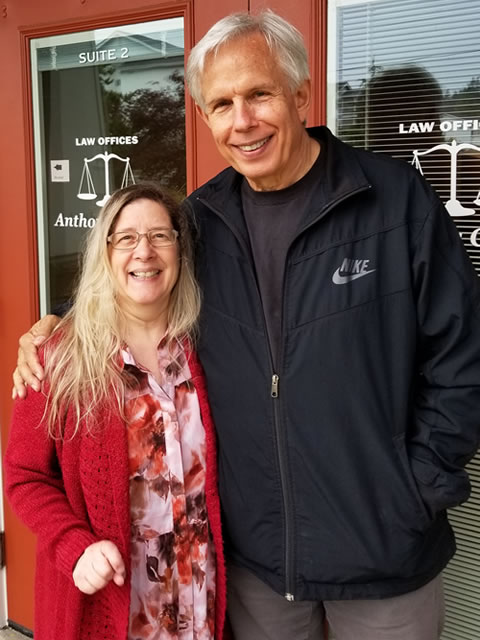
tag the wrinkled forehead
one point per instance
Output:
(234, 47)
(238, 65)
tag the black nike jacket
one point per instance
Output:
(336, 468)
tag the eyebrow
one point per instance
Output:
(265, 86)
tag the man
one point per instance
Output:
(341, 341)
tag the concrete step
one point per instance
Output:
(10, 634)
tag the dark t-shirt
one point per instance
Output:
(273, 218)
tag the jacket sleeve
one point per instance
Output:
(446, 395)
(35, 489)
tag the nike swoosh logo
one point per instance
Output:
(338, 279)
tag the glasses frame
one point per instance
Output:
(142, 235)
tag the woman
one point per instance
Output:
(113, 464)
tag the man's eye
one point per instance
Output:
(160, 235)
(220, 106)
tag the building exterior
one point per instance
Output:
(92, 98)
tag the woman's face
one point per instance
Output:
(145, 276)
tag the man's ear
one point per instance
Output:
(202, 114)
(302, 99)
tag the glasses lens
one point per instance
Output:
(130, 239)
(124, 240)
(162, 237)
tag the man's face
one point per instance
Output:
(255, 119)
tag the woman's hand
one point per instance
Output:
(100, 563)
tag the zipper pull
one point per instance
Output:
(274, 390)
(290, 597)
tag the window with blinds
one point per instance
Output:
(404, 79)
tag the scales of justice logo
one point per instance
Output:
(453, 205)
(86, 189)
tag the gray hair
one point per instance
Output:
(282, 38)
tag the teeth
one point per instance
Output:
(252, 147)
(145, 274)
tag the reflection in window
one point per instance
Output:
(110, 110)
(407, 83)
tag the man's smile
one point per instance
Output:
(254, 145)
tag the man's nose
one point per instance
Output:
(244, 116)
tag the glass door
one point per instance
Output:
(109, 110)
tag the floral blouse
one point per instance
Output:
(173, 561)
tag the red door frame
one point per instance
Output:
(19, 24)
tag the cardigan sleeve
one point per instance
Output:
(35, 488)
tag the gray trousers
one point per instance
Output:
(256, 612)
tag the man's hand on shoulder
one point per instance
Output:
(29, 371)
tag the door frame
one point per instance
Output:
(20, 543)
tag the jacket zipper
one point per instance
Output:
(289, 543)
(275, 395)
(275, 381)
(287, 500)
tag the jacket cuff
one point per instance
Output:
(439, 489)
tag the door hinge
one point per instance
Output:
(2, 549)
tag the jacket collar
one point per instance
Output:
(343, 176)
(344, 172)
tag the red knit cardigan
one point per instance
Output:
(74, 492)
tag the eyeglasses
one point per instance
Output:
(125, 240)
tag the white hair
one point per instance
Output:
(282, 38)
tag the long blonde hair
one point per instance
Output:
(82, 359)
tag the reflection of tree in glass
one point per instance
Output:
(464, 103)
(157, 117)
(389, 98)
(106, 73)
(387, 103)
(399, 110)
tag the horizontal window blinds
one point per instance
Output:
(407, 83)
(462, 576)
